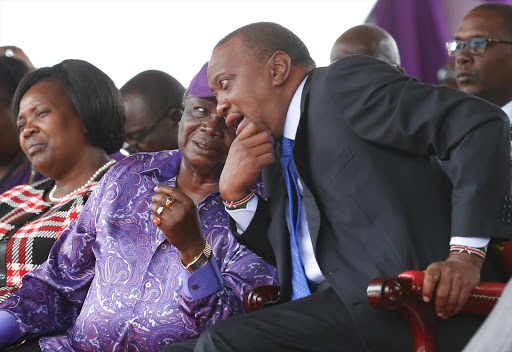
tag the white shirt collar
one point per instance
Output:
(508, 110)
(293, 115)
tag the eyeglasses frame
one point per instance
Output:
(486, 41)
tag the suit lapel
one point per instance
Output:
(300, 159)
(278, 235)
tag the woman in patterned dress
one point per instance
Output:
(69, 117)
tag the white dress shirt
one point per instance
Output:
(507, 108)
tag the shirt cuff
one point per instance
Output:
(243, 217)
(476, 242)
(9, 331)
(202, 282)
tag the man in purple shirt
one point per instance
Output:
(151, 260)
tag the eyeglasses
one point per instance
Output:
(134, 145)
(476, 46)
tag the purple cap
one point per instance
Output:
(199, 85)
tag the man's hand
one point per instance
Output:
(179, 221)
(454, 278)
(251, 151)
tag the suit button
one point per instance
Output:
(195, 287)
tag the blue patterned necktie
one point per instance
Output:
(299, 281)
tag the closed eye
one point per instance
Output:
(20, 127)
(42, 113)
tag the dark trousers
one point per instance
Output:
(27, 346)
(314, 323)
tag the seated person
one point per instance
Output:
(151, 260)
(370, 40)
(17, 53)
(152, 101)
(15, 169)
(69, 117)
(446, 75)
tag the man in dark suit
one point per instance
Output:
(371, 200)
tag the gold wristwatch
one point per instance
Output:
(201, 260)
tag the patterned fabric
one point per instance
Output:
(29, 227)
(300, 286)
(113, 281)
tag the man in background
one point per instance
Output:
(152, 100)
(367, 39)
(483, 54)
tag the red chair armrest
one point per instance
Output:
(259, 295)
(403, 293)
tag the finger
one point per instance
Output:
(164, 191)
(462, 299)
(266, 159)
(165, 200)
(169, 201)
(432, 276)
(254, 139)
(158, 209)
(252, 129)
(258, 151)
(155, 219)
(447, 295)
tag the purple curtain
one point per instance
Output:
(420, 30)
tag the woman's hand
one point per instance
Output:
(176, 215)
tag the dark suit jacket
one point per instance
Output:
(377, 202)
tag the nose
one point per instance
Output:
(29, 129)
(213, 126)
(464, 56)
(222, 106)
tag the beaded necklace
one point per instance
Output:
(81, 188)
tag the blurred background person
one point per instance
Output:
(370, 40)
(15, 169)
(152, 102)
(446, 75)
(17, 53)
(69, 117)
(482, 48)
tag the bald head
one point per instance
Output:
(152, 101)
(366, 39)
(158, 89)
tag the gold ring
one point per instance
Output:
(169, 201)
(156, 221)
(160, 210)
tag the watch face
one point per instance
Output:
(203, 259)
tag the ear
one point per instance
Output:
(280, 65)
(174, 116)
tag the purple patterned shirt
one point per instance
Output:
(114, 283)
